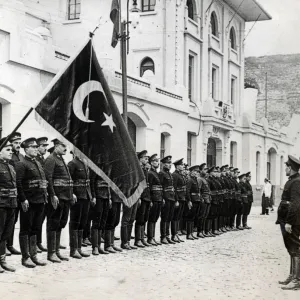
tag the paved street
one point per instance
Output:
(237, 265)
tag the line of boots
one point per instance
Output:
(139, 236)
(53, 246)
(151, 234)
(293, 280)
(190, 231)
(28, 245)
(3, 264)
(96, 236)
(76, 237)
(109, 238)
(165, 232)
(126, 237)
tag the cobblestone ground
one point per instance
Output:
(236, 265)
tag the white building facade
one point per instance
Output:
(186, 92)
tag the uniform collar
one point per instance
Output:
(3, 161)
(29, 158)
(294, 176)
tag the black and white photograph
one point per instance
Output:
(149, 149)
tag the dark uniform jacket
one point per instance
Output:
(60, 183)
(80, 175)
(248, 187)
(8, 186)
(193, 190)
(289, 208)
(146, 193)
(155, 187)
(213, 190)
(231, 182)
(31, 181)
(99, 187)
(15, 158)
(179, 183)
(238, 195)
(244, 192)
(167, 185)
(220, 189)
(204, 190)
(40, 158)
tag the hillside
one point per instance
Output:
(283, 85)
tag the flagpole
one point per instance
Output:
(48, 88)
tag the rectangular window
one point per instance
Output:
(148, 5)
(233, 90)
(74, 9)
(162, 145)
(214, 79)
(231, 154)
(189, 149)
(191, 76)
(257, 167)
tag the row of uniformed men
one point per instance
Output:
(49, 187)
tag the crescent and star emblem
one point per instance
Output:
(81, 93)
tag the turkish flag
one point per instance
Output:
(81, 110)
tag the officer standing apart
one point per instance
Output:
(60, 189)
(79, 211)
(32, 193)
(8, 202)
(156, 191)
(168, 200)
(289, 220)
(15, 141)
(42, 149)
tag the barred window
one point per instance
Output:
(148, 5)
(74, 9)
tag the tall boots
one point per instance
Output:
(189, 229)
(168, 234)
(39, 242)
(10, 243)
(24, 245)
(95, 241)
(124, 237)
(238, 222)
(177, 232)
(100, 249)
(107, 238)
(143, 237)
(33, 251)
(267, 211)
(210, 228)
(245, 219)
(290, 277)
(51, 246)
(74, 244)
(3, 263)
(57, 245)
(129, 231)
(163, 233)
(174, 229)
(200, 229)
(295, 283)
(80, 239)
(112, 233)
(138, 236)
(150, 234)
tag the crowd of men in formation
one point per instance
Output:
(195, 201)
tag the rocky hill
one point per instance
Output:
(283, 73)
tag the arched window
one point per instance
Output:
(147, 64)
(191, 9)
(232, 38)
(214, 24)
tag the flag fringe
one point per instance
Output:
(127, 201)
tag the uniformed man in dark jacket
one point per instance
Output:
(42, 149)
(144, 204)
(243, 201)
(8, 201)
(156, 194)
(220, 201)
(193, 201)
(60, 189)
(237, 198)
(32, 194)
(247, 207)
(213, 212)
(15, 141)
(231, 204)
(205, 201)
(99, 214)
(79, 211)
(168, 199)
(179, 183)
(289, 220)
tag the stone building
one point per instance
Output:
(186, 92)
